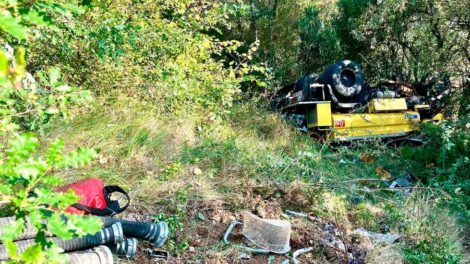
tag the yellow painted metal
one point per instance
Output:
(319, 115)
(357, 126)
(438, 118)
(421, 106)
(386, 118)
(323, 115)
(387, 104)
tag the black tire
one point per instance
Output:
(363, 97)
(274, 105)
(304, 83)
(346, 80)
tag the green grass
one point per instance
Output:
(154, 158)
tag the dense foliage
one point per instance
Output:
(422, 41)
(27, 178)
(161, 51)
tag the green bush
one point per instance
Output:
(435, 250)
(28, 174)
(444, 162)
(26, 191)
(164, 52)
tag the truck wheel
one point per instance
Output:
(346, 79)
(304, 85)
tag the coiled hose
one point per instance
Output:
(155, 233)
(109, 235)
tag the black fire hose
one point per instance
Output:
(127, 248)
(155, 233)
(109, 235)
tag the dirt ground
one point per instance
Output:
(329, 243)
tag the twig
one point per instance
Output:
(7, 7)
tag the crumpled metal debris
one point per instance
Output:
(332, 238)
(403, 183)
(377, 237)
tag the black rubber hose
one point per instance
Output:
(109, 235)
(155, 233)
(127, 248)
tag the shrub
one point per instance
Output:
(444, 162)
(27, 179)
(26, 191)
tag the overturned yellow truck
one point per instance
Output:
(339, 106)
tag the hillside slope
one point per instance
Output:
(199, 174)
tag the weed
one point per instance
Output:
(170, 171)
(434, 250)
(320, 179)
(178, 242)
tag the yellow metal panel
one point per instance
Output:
(355, 126)
(324, 115)
(421, 106)
(438, 118)
(387, 104)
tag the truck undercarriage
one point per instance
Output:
(339, 106)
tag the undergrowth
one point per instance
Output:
(165, 163)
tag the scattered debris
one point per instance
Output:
(299, 214)
(377, 237)
(329, 239)
(244, 256)
(271, 259)
(332, 238)
(416, 141)
(367, 158)
(299, 252)
(384, 174)
(157, 254)
(201, 216)
(196, 171)
(355, 160)
(403, 183)
(269, 234)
